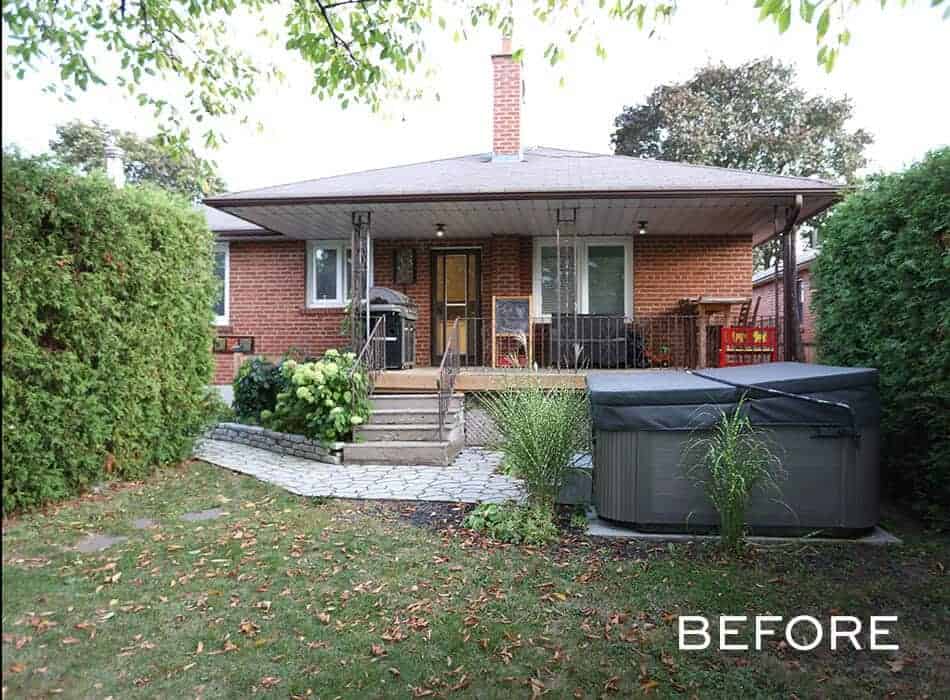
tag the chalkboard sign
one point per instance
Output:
(511, 317)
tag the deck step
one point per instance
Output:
(426, 402)
(408, 431)
(407, 416)
(438, 453)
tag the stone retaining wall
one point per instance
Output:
(281, 443)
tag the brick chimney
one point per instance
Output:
(506, 116)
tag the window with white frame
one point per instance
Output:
(597, 280)
(329, 264)
(222, 273)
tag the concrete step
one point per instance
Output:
(425, 402)
(402, 452)
(408, 431)
(409, 416)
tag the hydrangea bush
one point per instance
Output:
(324, 399)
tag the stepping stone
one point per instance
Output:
(96, 543)
(199, 515)
(144, 523)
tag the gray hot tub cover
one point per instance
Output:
(664, 400)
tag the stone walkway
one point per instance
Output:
(470, 479)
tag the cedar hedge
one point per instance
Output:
(883, 300)
(107, 298)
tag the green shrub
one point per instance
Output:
(509, 522)
(883, 300)
(321, 400)
(107, 310)
(541, 431)
(256, 386)
(730, 462)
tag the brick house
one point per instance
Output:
(767, 297)
(637, 237)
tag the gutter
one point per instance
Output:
(836, 194)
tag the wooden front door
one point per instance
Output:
(456, 294)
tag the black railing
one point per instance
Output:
(584, 341)
(448, 371)
(370, 361)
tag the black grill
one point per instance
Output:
(400, 325)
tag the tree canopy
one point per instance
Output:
(752, 117)
(82, 146)
(358, 50)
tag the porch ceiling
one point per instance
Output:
(607, 216)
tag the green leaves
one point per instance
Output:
(882, 285)
(541, 432)
(107, 298)
(753, 117)
(322, 399)
(162, 160)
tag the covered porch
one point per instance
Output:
(603, 280)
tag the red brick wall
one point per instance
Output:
(505, 265)
(268, 301)
(268, 285)
(669, 268)
(765, 293)
(506, 113)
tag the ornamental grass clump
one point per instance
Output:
(733, 460)
(541, 432)
(324, 399)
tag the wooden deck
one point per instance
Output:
(423, 379)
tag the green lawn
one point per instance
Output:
(290, 597)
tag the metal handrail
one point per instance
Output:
(448, 371)
(372, 357)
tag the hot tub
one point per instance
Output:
(823, 423)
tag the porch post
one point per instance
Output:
(359, 279)
(566, 218)
(792, 341)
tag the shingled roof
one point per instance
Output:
(542, 171)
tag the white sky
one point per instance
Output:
(893, 70)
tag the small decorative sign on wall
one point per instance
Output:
(404, 266)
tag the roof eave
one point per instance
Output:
(835, 194)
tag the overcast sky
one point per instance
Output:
(895, 71)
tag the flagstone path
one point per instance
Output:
(471, 478)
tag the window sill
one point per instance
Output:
(222, 324)
(329, 306)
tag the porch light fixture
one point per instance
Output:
(439, 230)
(642, 230)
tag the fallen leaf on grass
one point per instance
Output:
(897, 665)
(269, 681)
(377, 650)
(69, 640)
(248, 628)
(17, 668)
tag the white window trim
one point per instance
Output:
(581, 278)
(225, 247)
(342, 298)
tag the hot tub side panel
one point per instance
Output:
(645, 478)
